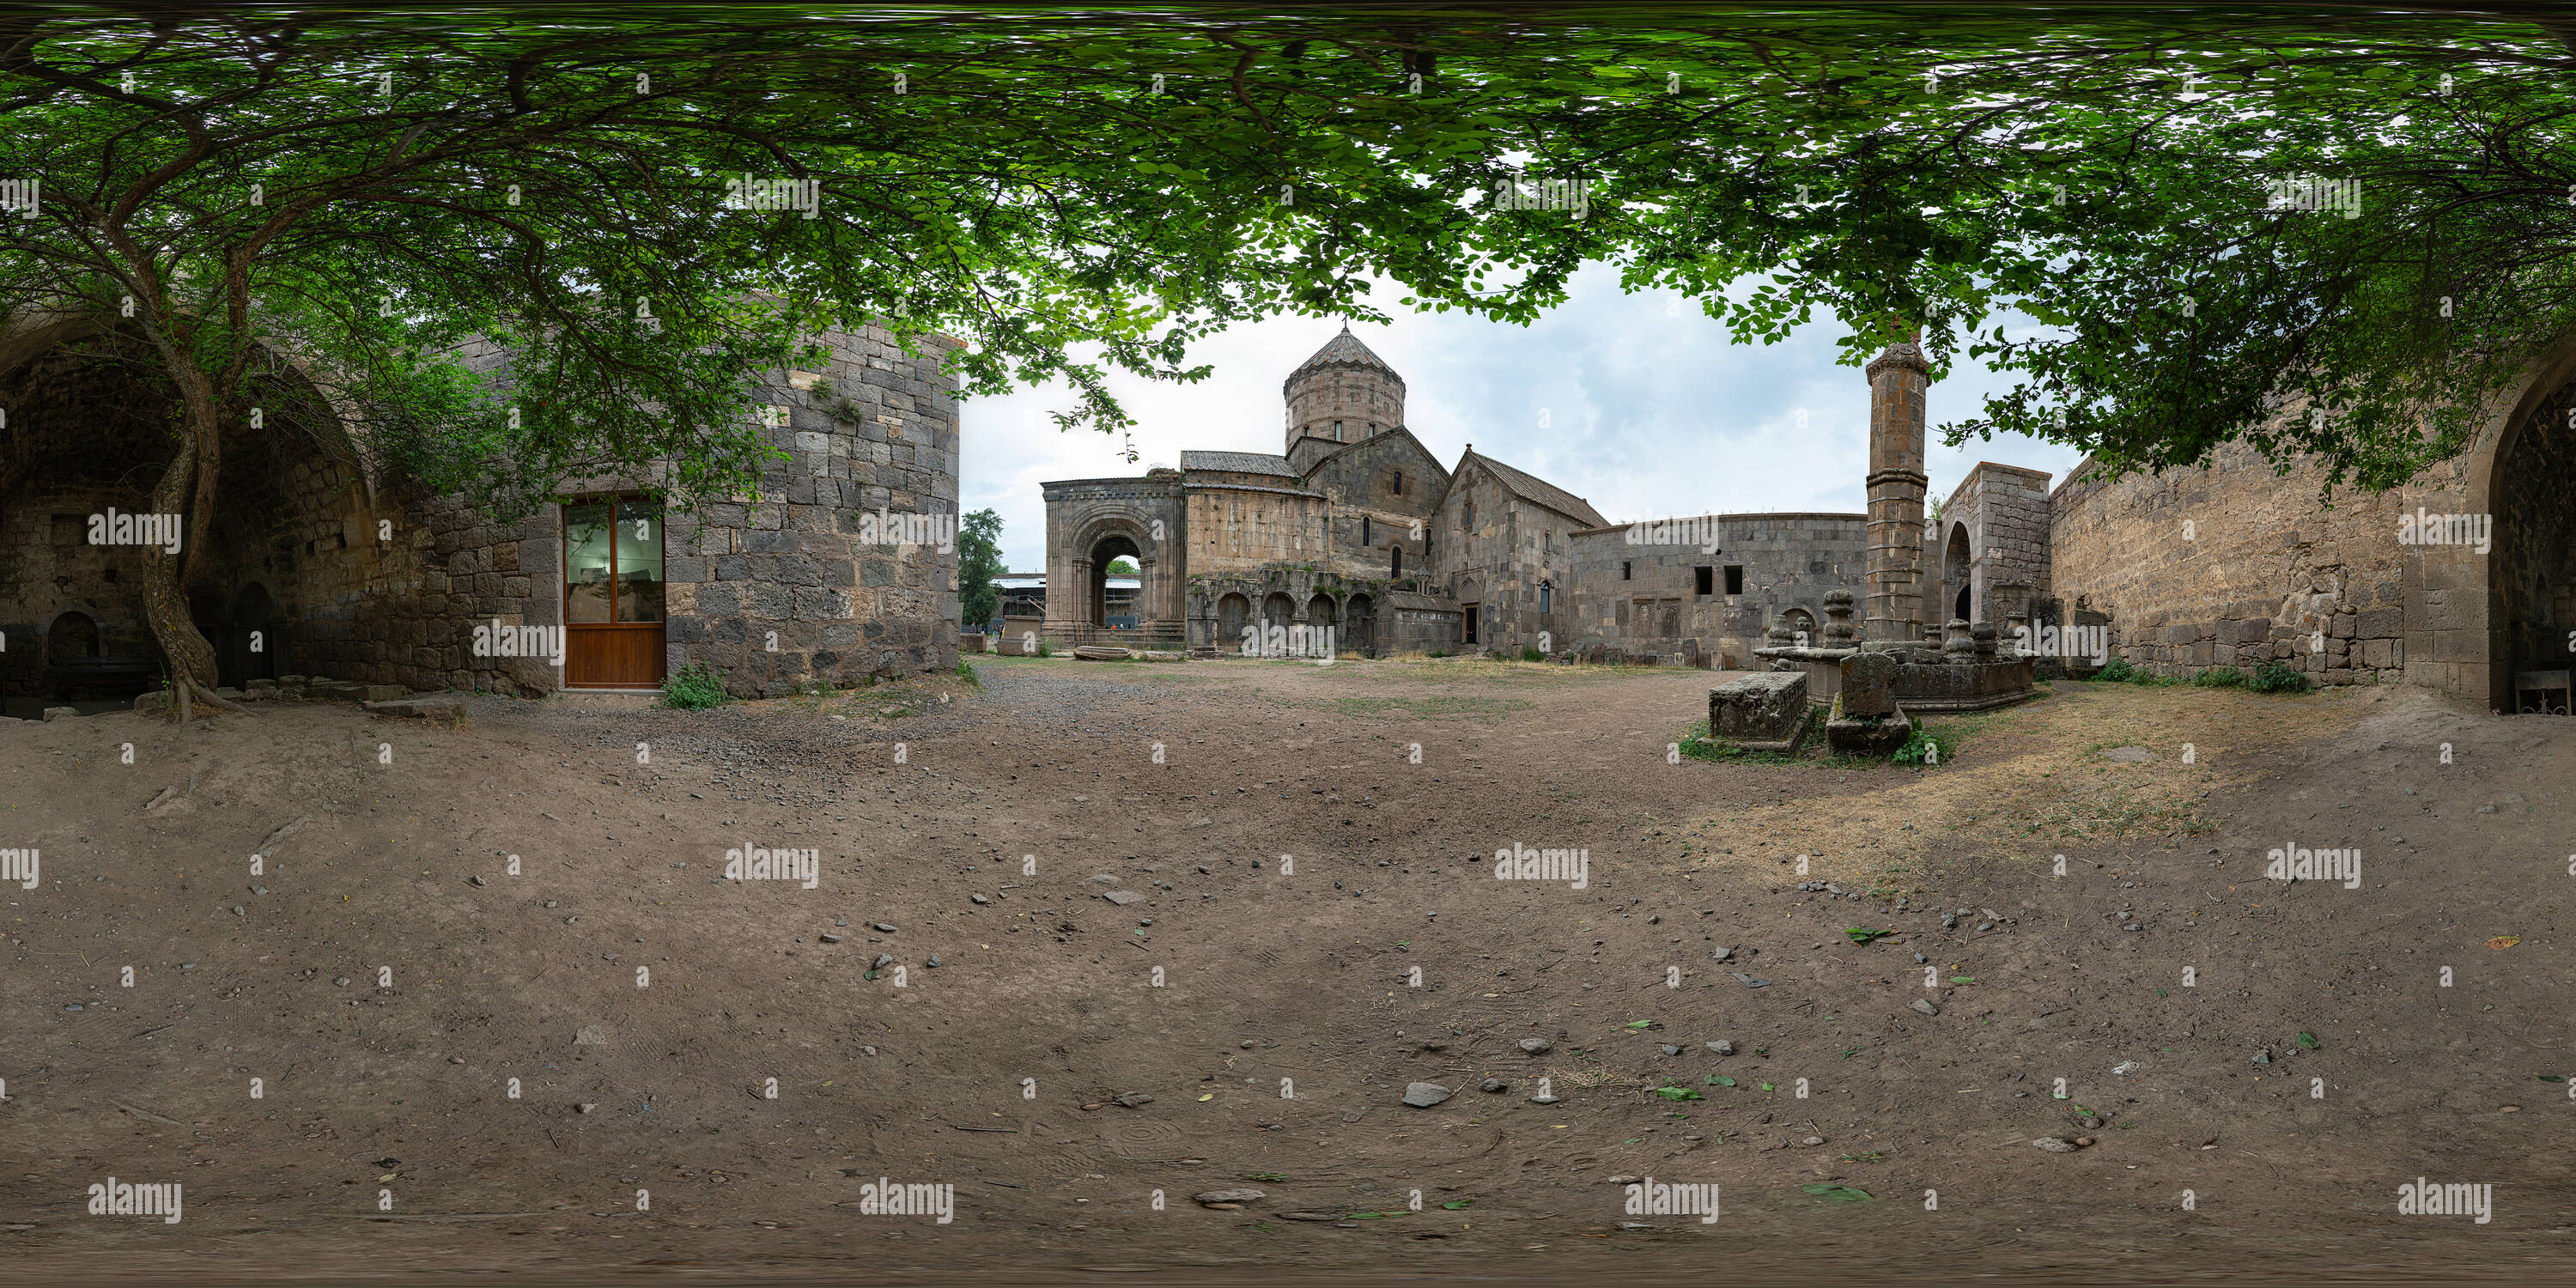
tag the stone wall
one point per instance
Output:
(48, 568)
(1370, 518)
(1148, 513)
(1236, 527)
(1221, 605)
(302, 551)
(1643, 598)
(2232, 564)
(1498, 561)
(874, 433)
(2002, 513)
(1417, 623)
(790, 587)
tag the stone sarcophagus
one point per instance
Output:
(1766, 711)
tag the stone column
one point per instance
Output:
(1893, 617)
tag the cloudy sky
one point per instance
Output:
(1611, 396)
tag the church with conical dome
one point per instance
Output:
(1356, 528)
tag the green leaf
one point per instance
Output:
(1677, 1093)
(1843, 1193)
(1862, 934)
(1641, 1024)
(2551, 1077)
(1457, 1204)
(1720, 1080)
(1768, 1087)
(1963, 979)
(2308, 1041)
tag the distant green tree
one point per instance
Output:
(1122, 566)
(979, 561)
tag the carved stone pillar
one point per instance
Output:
(1894, 612)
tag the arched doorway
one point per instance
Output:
(1320, 618)
(1955, 565)
(88, 431)
(1359, 623)
(72, 635)
(2533, 569)
(1277, 609)
(1802, 627)
(1108, 549)
(1233, 613)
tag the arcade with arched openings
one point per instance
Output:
(88, 439)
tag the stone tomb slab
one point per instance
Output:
(1767, 711)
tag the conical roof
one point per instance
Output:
(1345, 349)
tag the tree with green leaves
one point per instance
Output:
(1074, 193)
(2334, 235)
(226, 194)
(979, 565)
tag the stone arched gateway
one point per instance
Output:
(1091, 522)
(2531, 599)
(1106, 556)
(1958, 576)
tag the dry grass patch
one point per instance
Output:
(2032, 781)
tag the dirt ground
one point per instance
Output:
(987, 824)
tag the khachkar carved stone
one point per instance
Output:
(1893, 615)
(1866, 719)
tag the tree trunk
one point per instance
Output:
(165, 604)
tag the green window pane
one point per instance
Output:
(639, 561)
(586, 566)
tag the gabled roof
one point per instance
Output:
(1239, 463)
(1379, 440)
(1537, 491)
(1344, 348)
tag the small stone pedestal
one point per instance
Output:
(1866, 720)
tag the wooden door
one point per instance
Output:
(613, 619)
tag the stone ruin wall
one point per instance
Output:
(2232, 564)
(2005, 510)
(876, 429)
(1789, 562)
